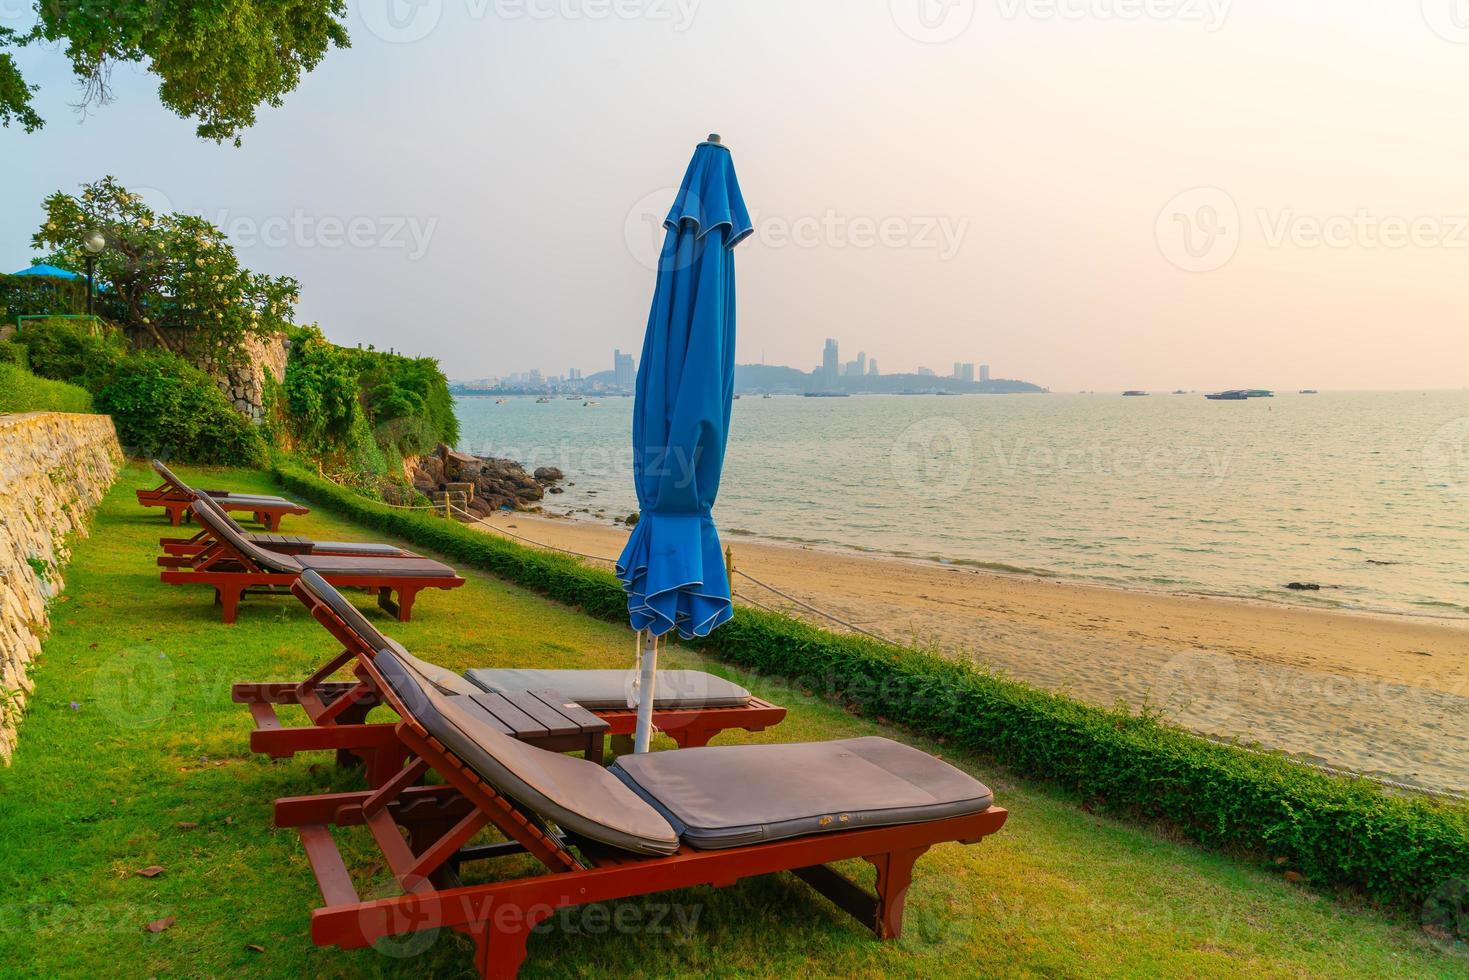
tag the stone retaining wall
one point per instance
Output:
(54, 469)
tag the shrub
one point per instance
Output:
(1336, 832)
(13, 353)
(22, 391)
(164, 406)
(72, 350)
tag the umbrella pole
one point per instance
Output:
(647, 679)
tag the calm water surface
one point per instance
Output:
(1365, 494)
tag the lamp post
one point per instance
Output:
(92, 242)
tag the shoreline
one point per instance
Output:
(1379, 693)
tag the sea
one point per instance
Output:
(1363, 495)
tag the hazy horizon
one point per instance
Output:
(1085, 194)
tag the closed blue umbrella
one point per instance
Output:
(672, 569)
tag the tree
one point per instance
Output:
(165, 270)
(217, 62)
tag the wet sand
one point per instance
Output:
(1386, 695)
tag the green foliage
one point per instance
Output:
(216, 62)
(357, 413)
(164, 269)
(407, 399)
(72, 350)
(13, 353)
(164, 406)
(1336, 832)
(40, 296)
(320, 394)
(22, 391)
(15, 94)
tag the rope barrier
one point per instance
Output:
(806, 605)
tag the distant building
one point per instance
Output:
(535, 376)
(861, 363)
(573, 374)
(926, 372)
(853, 369)
(624, 375)
(963, 371)
(872, 368)
(984, 372)
(830, 364)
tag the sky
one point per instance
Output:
(1087, 194)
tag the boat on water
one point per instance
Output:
(1180, 391)
(499, 401)
(591, 404)
(824, 394)
(736, 397)
(1133, 393)
(1233, 395)
(766, 395)
(1259, 393)
(543, 400)
(1308, 391)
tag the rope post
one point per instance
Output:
(729, 565)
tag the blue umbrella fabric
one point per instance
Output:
(672, 568)
(49, 271)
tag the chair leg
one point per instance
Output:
(229, 599)
(175, 514)
(894, 875)
(405, 603)
(272, 521)
(384, 763)
(691, 737)
(500, 941)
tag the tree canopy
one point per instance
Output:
(217, 61)
(164, 269)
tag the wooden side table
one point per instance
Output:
(546, 719)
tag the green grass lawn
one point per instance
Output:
(132, 755)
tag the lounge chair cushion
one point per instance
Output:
(234, 498)
(577, 795)
(605, 690)
(373, 565)
(299, 543)
(253, 500)
(732, 795)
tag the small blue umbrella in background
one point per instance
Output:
(671, 568)
(49, 271)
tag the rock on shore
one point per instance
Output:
(497, 482)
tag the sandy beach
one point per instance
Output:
(1379, 694)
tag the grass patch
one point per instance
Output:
(130, 738)
(22, 391)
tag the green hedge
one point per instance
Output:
(164, 406)
(1336, 832)
(22, 391)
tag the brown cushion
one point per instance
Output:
(329, 565)
(731, 795)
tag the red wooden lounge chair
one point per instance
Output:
(649, 823)
(175, 496)
(178, 551)
(233, 566)
(694, 708)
